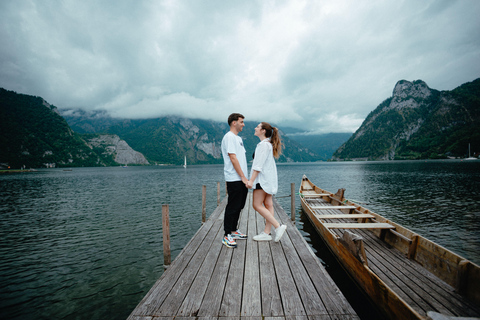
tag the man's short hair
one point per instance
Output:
(234, 117)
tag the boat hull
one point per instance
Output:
(354, 261)
(387, 301)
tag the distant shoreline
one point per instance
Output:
(16, 170)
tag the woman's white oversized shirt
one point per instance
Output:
(264, 162)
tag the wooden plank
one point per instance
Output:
(214, 294)
(358, 226)
(292, 303)
(380, 293)
(415, 285)
(271, 300)
(212, 301)
(418, 287)
(313, 195)
(422, 283)
(177, 294)
(195, 295)
(332, 207)
(408, 278)
(345, 216)
(251, 297)
(162, 287)
(401, 236)
(309, 295)
(402, 288)
(331, 297)
(232, 300)
(257, 280)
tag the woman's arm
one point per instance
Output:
(252, 179)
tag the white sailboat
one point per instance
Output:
(470, 157)
(185, 162)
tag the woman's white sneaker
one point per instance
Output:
(262, 237)
(279, 232)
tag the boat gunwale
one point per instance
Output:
(403, 240)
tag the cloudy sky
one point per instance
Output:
(319, 65)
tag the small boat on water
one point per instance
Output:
(469, 156)
(406, 275)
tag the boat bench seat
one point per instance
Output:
(375, 225)
(345, 216)
(333, 207)
(315, 195)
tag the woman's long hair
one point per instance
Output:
(274, 135)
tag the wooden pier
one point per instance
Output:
(256, 280)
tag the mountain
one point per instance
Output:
(33, 135)
(88, 121)
(168, 140)
(322, 144)
(418, 122)
(111, 144)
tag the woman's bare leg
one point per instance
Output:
(263, 204)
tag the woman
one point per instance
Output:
(264, 179)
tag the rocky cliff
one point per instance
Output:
(33, 134)
(418, 122)
(119, 149)
(168, 140)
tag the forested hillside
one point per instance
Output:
(419, 123)
(322, 144)
(33, 134)
(168, 140)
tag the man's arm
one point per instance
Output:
(236, 166)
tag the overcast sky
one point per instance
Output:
(319, 65)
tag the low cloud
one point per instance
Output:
(316, 66)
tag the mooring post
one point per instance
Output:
(204, 203)
(166, 236)
(292, 203)
(218, 194)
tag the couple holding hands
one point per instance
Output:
(263, 179)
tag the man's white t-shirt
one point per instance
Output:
(232, 143)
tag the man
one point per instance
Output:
(235, 170)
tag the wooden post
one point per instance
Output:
(462, 276)
(166, 235)
(292, 203)
(412, 250)
(218, 194)
(204, 203)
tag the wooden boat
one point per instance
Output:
(405, 275)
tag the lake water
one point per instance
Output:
(87, 243)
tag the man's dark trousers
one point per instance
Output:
(237, 195)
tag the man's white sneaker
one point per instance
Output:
(262, 237)
(279, 232)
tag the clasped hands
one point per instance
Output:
(248, 184)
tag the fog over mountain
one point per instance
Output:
(321, 66)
